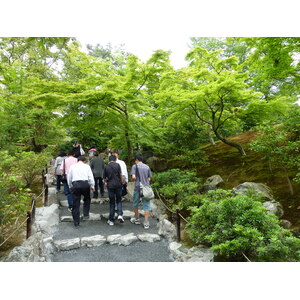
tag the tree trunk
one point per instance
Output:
(208, 132)
(230, 143)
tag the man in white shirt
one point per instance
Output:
(81, 181)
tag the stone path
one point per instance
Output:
(96, 241)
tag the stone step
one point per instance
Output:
(98, 240)
(93, 217)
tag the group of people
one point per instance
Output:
(80, 177)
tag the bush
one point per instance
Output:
(29, 166)
(14, 201)
(239, 225)
(179, 188)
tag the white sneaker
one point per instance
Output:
(121, 219)
(146, 226)
(110, 223)
(135, 221)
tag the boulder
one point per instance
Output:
(68, 244)
(166, 228)
(19, 254)
(274, 207)
(157, 164)
(148, 237)
(256, 188)
(285, 224)
(46, 219)
(213, 183)
(35, 249)
(93, 241)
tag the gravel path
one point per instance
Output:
(136, 252)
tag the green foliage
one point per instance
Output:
(179, 188)
(280, 144)
(239, 225)
(29, 165)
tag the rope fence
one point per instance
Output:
(30, 216)
(178, 216)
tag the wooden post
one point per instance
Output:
(46, 195)
(178, 225)
(33, 208)
(29, 223)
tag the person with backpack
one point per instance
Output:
(113, 178)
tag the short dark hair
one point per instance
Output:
(62, 153)
(71, 152)
(115, 151)
(95, 153)
(81, 158)
(139, 157)
(112, 158)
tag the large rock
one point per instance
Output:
(259, 189)
(46, 219)
(213, 183)
(166, 228)
(148, 237)
(285, 224)
(157, 164)
(194, 254)
(197, 254)
(68, 244)
(35, 249)
(93, 241)
(274, 207)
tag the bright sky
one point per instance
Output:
(147, 25)
(145, 48)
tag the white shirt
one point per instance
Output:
(81, 171)
(123, 168)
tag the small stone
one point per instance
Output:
(66, 219)
(148, 237)
(93, 241)
(64, 203)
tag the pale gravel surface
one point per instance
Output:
(136, 252)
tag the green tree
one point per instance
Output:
(212, 88)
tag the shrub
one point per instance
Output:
(14, 201)
(29, 165)
(179, 188)
(239, 225)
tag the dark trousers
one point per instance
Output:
(98, 181)
(115, 196)
(58, 182)
(80, 188)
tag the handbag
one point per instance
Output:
(63, 178)
(124, 189)
(146, 191)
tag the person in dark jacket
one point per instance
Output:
(77, 149)
(113, 178)
(97, 166)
